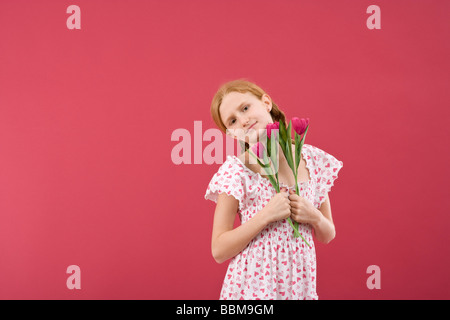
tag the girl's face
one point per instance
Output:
(241, 112)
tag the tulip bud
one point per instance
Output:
(270, 127)
(300, 125)
(258, 149)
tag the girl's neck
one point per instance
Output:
(250, 162)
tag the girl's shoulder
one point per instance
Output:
(231, 178)
(317, 156)
(232, 164)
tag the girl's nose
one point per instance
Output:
(244, 122)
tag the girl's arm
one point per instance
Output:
(227, 242)
(324, 227)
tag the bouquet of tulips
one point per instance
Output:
(278, 134)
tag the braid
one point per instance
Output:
(277, 114)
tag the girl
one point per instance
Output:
(267, 261)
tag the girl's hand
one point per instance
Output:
(302, 210)
(277, 208)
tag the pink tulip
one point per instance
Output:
(300, 125)
(258, 149)
(272, 126)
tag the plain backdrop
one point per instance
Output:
(86, 118)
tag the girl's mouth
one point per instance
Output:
(251, 126)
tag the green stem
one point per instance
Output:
(277, 188)
(296, 233)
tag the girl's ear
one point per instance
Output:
(267, 101)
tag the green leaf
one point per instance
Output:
(304, 136)
(264, 165)
(274, 183)
(270, 142)
(271, 178)
(282, 130)
(274, 157)
(278, 182)
(288, 156)
(289, 131)
(298, 153)
(296, 233)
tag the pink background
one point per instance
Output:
(86, 118)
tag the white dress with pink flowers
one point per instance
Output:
(274, 265)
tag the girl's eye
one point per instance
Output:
(245, 108)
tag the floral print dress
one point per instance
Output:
(274, 265)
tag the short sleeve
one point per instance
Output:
(228, 179)
(326, 169)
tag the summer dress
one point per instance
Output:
(274, 265)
